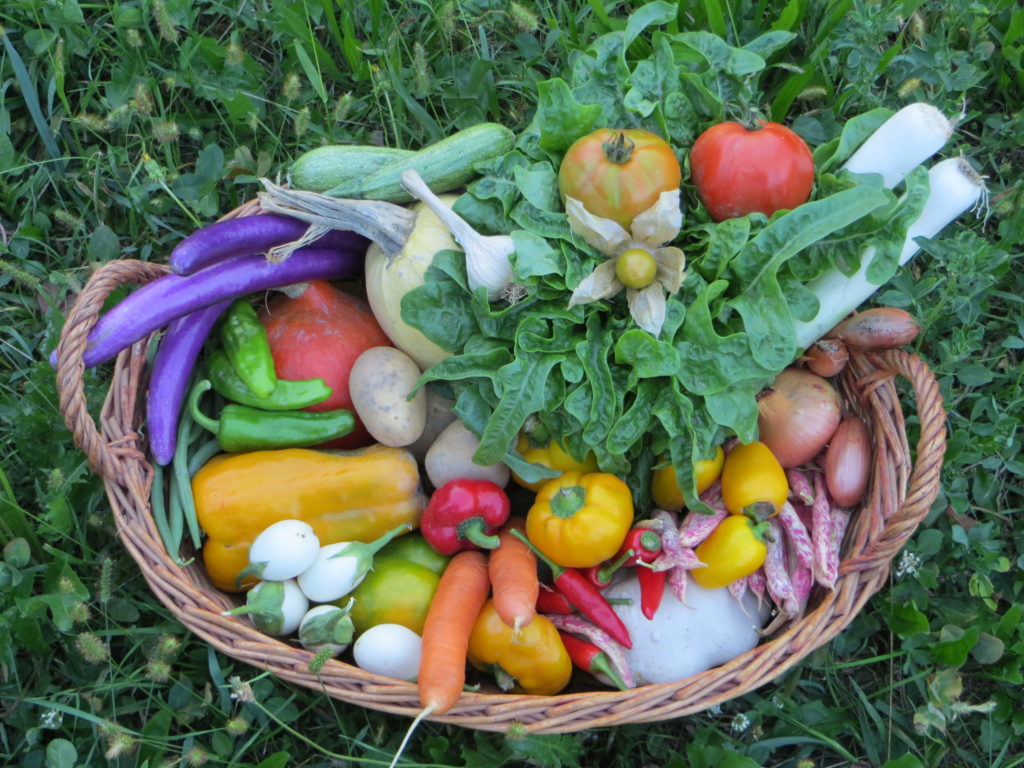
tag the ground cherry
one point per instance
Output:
(636, 268)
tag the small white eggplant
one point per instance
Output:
(340, 567)
(276, 607)
(326, 626)
(391, 650)
(282, 551)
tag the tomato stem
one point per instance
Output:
(619, 149)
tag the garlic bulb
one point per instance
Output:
(487, 262)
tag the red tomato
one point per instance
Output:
(737, 171)
(320, 333)
(617, 174)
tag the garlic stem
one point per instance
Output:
(487, 256)
(386, 224)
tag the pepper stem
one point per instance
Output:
(600, 664)
(760, 510)
(474, 529)
(568, 501)
(604, 575)
(202, 386)
(556, 570)
(505, 681)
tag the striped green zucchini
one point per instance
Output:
(444, 165)
(324, 168)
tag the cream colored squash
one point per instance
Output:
(387, 283)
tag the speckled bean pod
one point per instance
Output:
(738, 589)
(826, 557)
(840, 521)
(684, 558)
(697, 527)
(799, 486)
(756, 584)
(677, 580)
(780, 588)
(802, 580)
(798, 536)
(600, 638)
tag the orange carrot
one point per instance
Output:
(513, 572)
(458, 600)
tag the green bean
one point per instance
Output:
(177, 518)
(159, 509)
(183, 481)
(203, 454)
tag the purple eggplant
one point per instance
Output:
(251, 234)
(175, 357)
(164, 300)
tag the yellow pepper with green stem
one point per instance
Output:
(579, 520)
(753, 480)
(531, 659)
(344, 495)
(553, 455)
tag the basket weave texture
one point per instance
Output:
(900, 495)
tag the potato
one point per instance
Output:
(380, 383)
(451, 457)
(439, 416)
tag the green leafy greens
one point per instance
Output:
(588, 376)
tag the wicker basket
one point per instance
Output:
(899, 497)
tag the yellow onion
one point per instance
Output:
(799, 413)
(848, 462)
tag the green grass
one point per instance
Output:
(124, 125)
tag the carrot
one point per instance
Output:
(460, 596)
(513, 571)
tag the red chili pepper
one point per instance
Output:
(552, 601)
(652, 587)
(464, 514)
(586, 598)
(645, 543)
(590, 658)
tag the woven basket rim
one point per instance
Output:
(900, 497)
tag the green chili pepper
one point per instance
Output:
(242, 428)
(287, 395)
(245, 343)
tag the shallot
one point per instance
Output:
(826, 357)
(848, 462)
(877, 328)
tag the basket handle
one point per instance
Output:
(923, 485)
(103, 459)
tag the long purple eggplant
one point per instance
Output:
(164, 300)
(251, 234)
(175, 358)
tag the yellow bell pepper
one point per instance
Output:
(734, 549)
(551, 455)
(665, 490)
(530, 660)
(579, 520)
(753, 476)
(344, 495)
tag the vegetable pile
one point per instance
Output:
(599, 381)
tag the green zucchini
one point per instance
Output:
(444, 165)
(324, 168)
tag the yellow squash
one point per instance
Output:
(343, 495)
